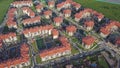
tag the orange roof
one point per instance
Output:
(88, 40)
(66, 46)
(21, 3)
(71, 28)
(39, 6)
(89, 23)
(55, 32)
(36, 29)
(48, 12)
(106, 29)
(5, 36)
(67, 11)
(58, 19)
(51, 3)
(117, 41)
(99, 15)
(31, 13)
(18, 60)
(60, 5)
(32, 20)
(77, 5)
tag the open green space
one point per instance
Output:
(35, 46)
(102, 62)
(4, 5)
(40, 43)
(108, 9)
(38, 59)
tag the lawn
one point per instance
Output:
(108, 9)
(102, 62)
(4, 5)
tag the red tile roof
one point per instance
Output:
(39, 6)
(67, 11)
(60, 5)
(32, 20)
(88, 40)
(6, 36)
(71, 28)
(24, 57)
(76, 5)
(36, 29)
(65, 46)
(98, 15)
(89, 23)
(48, 12)
(31, 13)
(106, 29)
(10, 19)
(21, 3)
(51, 3)
(58, 19)
(55, 32)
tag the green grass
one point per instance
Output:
(35, 46)
(102, 62)
(4, 5)
(109, 10)
(74, 51)
(38, 59)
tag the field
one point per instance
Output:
(4, 5)
(108, 9)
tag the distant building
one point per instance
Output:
(47, 14)
(88, 41)
(71, 30)
(22, 3)
(52, 53)
(58, 20)
(18, 62)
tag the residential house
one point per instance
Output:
(88, 41)
(71, 30)
(58, 20)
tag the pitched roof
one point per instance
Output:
(5, 36)
(65, 46)
(24, 50)
(71, 28)
(88, 40)
(67, 11)
(39, 6)
(51, 3)
(58, 19)
(89, 23)
(55, 32)
(48, 12)
(31, 20)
